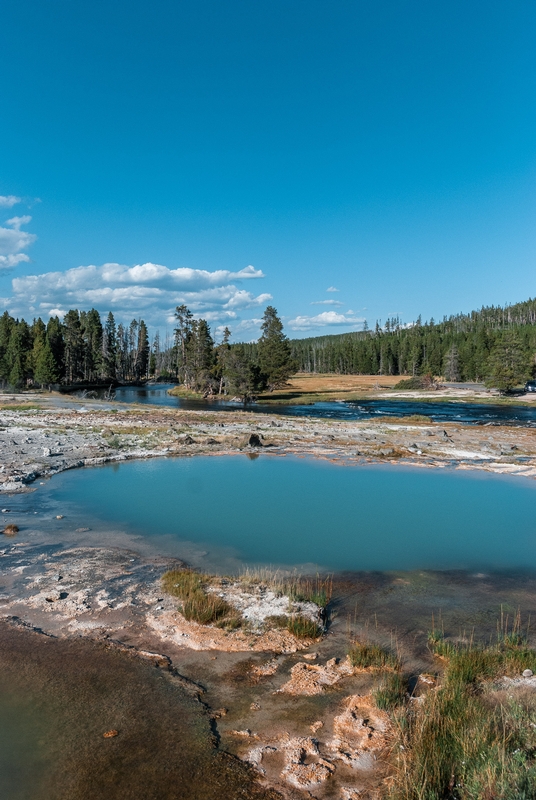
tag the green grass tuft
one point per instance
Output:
(466, 741)
(198, 605)
(372, 655)
(391, 692)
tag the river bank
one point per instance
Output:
(39, 439)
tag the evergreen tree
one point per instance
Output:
(221, 355)
(183, 332)
(200, 358)
(91, 328)
(275, 357)
(18, 354)
(508, 365)
(74, 347)
(109, 347)
(55, 339)
(46, 371)
(243, 377)
(142, 352)
(7, 324)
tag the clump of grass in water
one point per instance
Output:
(464, 744)
(365, 655)
(198, 606)
(11, 529)
(298, 588)
(298, 625)
(391, 692)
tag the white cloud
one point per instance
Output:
(13, 240)
(332, 289)
(327, 303)
(149, 290)
(325, 319)
(7, 201)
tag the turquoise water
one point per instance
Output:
(225, 512)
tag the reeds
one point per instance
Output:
(298, 588)
(467, 741)
(298, 625)
(198, 605)
(364, 655)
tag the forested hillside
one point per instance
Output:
(460, 347)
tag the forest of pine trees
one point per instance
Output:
(76, 351)
(496, 345)
(464, 347)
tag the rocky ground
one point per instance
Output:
(41, 439)
(295, 709)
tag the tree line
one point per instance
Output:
(495, 345)
(82, 350)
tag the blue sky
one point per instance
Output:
(231, 154)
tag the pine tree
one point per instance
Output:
(242, 376)
(74, 347)
(142, 352)
(508, 364)
(222, 353)
(109, 347)
(46, 371)
(17, 354)
(55, 339)
(275, 357)
(183, 332)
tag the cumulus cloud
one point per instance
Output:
(150, 290)
(13, 240)
(9, 200)
(327, 303)
(325, 319)
(332, 289)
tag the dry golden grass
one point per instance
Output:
(306, 387)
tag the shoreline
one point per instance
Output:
(271, 697)
(39, 442)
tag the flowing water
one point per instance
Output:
(437, 411)
(226, 512)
